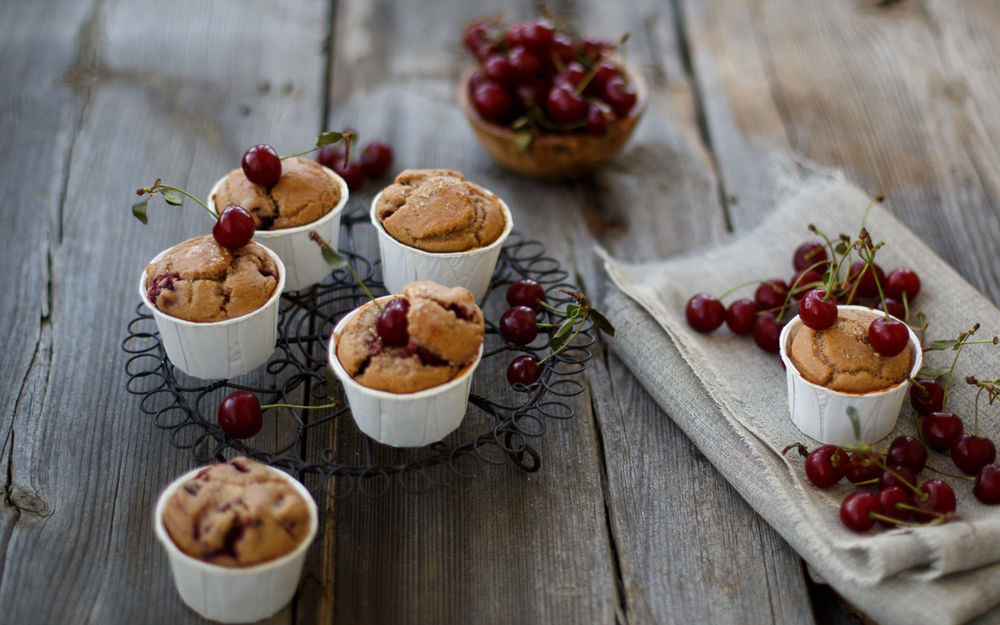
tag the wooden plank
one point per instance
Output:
(177, 91)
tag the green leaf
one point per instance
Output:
(173, 197)
(522, 140)
(840, 247)
(572, 310)
(330, 255)
(852, 413)
(139, 210)
(601, 323)
(932, 373)
(939, 345)
(326, 138)
(562, 334)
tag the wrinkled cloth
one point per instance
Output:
(730, 399)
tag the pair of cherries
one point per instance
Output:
(235, 226)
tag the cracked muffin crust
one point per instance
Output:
(841, 359)
(199, 280)
(445, 329)
(438, 210)
(237, 513)
(303, 194)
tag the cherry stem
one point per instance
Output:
(946, 474)
(941, 516)
(550, 307)
(576, 331)
(266, 406)
(159, 185)
(310, 150)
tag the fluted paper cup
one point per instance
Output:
(235, 594)
(304, 264)
(404, 419)
(219, 349)
(821, 413)
(473, 269)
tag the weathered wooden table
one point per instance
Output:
(625, 522)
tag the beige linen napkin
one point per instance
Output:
(730, 398)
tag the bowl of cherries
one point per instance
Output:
(545, 102)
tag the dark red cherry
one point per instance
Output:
(523, 370)
(704, 313)
(492, 101)
(856, 511)
(497, 68)
(526, 292)
(564, 105)
(518, 325)
(234, 228)
(537, 35)
(824, 466)
(861, 467)
(892, 501)
(392, 325)
(941, 430)
(939, 498)
(562, 47)
(927, 396)
(770, 295)
(619, 95)
(476, 36)
(895, 308)
(572, 75)
(804, 281)
(331, 154)
(524, 64)
(808, 254)
(816, 312)
(987, 488)
(971, 453)
(604, 72)
(767, 332)
(353, 173)
(599, 116)
(866, 278)
(741, 315)
(897, 476)
(901, 281)
(239, 414)
(907, 451)
(262, 165)
(888, 337)
(376, 159)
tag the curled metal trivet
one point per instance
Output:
(496, 430)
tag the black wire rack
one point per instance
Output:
(323, 442)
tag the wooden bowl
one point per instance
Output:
(554, 156)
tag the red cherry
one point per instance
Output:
(376, 159)
(492, 102)
(896, 477)
(524, 64)
(971, 453)
(331, 155)
(816, 312)
(518, 325)
(605, 71)
(523, 370)
(901, 281)
(856, 511)
(907, 451)
(863, 467)
(262, 165)
(564, 105)
(476, 36)
(895, 308)
(526, 292)
(808, 254)
(619, 95)
(538, 35)
(927, 396)
(353, 173)
(572, 75)
(767, 332)
(824, 466)
(889, 499)
(770, 295)
(239, 414)
(392, 325)
(888, 337)
(803, 281)
(598, 118)
(497, 68)
(941, 430)
(234, 228)
(940, 498)
(741, 315)
(562, 47)
(866, 284)
(704, 313)
(987, 488)
(592, 48)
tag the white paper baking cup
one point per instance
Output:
(821, 413)
(402, 264)
(404, 419)
(235, 594)
(219, 349)
(304, 264)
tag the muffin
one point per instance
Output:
(236, 514)
(445, 328)
(236, 536)
(438, 210)
(304, 193)
(199, 280)
(841, 359)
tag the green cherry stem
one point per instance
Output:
(576, 331)
(336, 261)
(331, 405)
